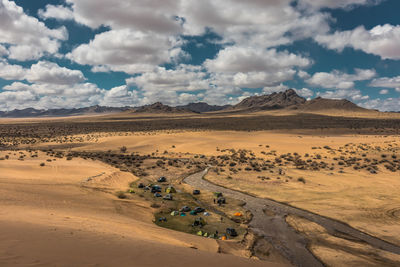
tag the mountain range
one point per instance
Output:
(288, 99)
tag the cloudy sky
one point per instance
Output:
(75, 53)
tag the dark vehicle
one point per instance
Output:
(157, 195)
(198, 209)
(185, 209)
(231, 232)
(156, 189)
(162, 179)
(141, 185)
(196, 192)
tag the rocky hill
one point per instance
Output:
(319, 103)
(279, 100)
(159, 107)
(202, 107)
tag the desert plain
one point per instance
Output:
(76, 191)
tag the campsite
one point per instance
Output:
(174, 133)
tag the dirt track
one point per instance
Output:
(275, 229)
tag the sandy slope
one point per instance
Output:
(367, 202)
(48, 218)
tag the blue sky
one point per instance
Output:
(56, 54)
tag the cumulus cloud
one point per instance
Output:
(28, 38)
(388, 104)
(387, 82)
(248, 59)
(51, 73)
(57, 12)
(244, 22)
(183, 78)
(128, 51)
(353, 94)
(382, 40)
(11, 72)
(20, 95)
(318, 4)
(274, 89)
(340, 80)
(253, 68)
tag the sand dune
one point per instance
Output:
(48, 218)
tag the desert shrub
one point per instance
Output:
(123, 149)
(120, 195)
(42, 164)
(155, 205)
(301, 179)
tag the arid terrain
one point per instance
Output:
(298, 188)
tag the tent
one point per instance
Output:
(175, 213)
(170, 190)
(238, 214)
(217, 194)
(199, 222)
(200, 233)
(168, 197)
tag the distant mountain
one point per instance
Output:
(202, 107)
(159, 107)
(279, 100)
(31, 112)
(329, 104)
(288, 99)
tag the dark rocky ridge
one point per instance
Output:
(279, 100)
(202, 107)
(288, 99)
(159, 107)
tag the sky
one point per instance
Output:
(75, 53)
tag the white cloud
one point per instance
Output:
(248, 59)
(253, 68)
(183, 78)
(353, 94)
(305, 92)
(303, 75)
(3, 51)
(255, 23)
(57, 12)
(139, 15)
(274, 89)
(387, 82)
(11, 72)
(340, 80)
(28, 38)
(128, 51)
(51, 73)
(388, 104)
(382, 40)
(119, 97)
(318, 4)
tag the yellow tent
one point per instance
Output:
(170, 190)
